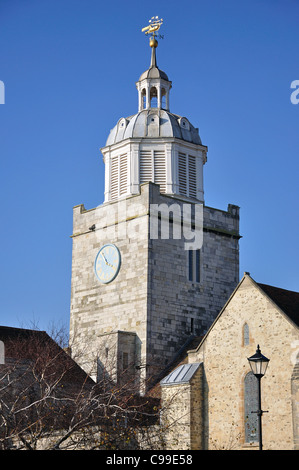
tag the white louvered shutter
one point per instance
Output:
(192, 176)
(160, 169)
(123, 174)
(114, 178)
(187, 175)
(182, 167)
(118, 176)
(145, 166)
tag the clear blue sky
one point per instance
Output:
(69, 69)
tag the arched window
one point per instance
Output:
(153, 97)
(2, 355)
(143, 98)
(250, 405)
(163, 96)
(245, 335)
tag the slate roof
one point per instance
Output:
(286, 300)
(179, 359)
(25, 344)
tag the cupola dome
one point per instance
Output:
(154, 144)
(154, 122)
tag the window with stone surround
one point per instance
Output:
(125, 361)
(250, 405)
(245, 335)
(194, 265)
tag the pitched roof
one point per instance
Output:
(286, 300)
(181, 375)
(180, 358)
(25, 344)
(9, 332)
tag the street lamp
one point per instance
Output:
(259, 364)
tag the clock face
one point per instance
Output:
(107, 263)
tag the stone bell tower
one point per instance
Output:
(139, 291)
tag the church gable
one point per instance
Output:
(253, 301)
(251, 317)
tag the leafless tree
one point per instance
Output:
(48, 402)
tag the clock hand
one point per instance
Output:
(104, 258)
(108, 264)
(111, 265)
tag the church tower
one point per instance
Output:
(153, 265)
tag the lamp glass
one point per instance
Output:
(258, 363)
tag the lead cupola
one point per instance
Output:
(154, 144)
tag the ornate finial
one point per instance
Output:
(154, 26)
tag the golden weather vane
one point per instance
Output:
(154, 26)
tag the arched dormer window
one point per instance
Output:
(2, 354)
(153, 97)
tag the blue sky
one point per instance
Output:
(69, 69)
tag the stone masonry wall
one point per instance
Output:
(224, 353)
(295, 404)
(183, 419)
(96, 308)
(151, 296)
(178, 307)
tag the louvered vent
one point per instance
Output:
(187, 175)
(114, 178)
(183, 174)
(123, 174)
(192, 176)
(160, 170)
(145, 166)
(152, 167)
(118, 176)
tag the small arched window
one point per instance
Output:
(245, 335)
(143, 98)
(153, 97)
(163, 97)
(2, 354)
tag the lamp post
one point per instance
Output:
(259, 364)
